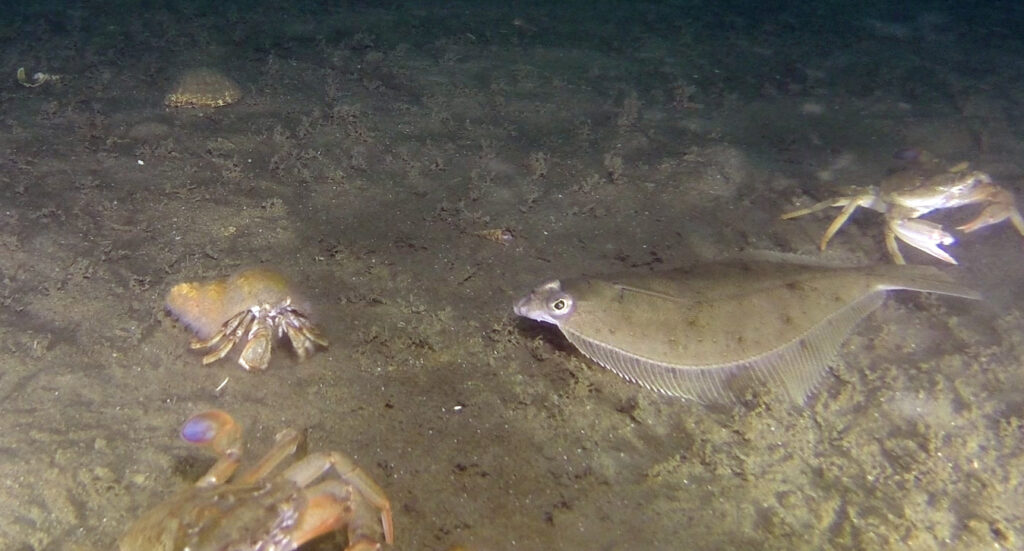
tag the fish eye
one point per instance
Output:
(561, 305)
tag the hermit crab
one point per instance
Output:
(255, 305)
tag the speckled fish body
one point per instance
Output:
(707, 331)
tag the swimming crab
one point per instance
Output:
(255, 305)
(254, 511)
(907, 195)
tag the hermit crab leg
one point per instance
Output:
(303, 336)
(229, 333)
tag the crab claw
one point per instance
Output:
(218, 431)
(1002, 206)
(921, 234)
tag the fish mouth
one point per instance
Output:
(520, 306)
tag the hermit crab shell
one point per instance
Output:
(203, 87)
(204, 306)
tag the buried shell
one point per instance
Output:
(203, 87)
(706, 332)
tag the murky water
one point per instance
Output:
(370, 147)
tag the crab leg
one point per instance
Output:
(849, 204)
(331, 505)
(844, 215)
(815, 208)
(892, 246)
(285, 444)
(307, 470)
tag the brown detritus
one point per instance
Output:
(503, 236)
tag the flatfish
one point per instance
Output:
(709, 331)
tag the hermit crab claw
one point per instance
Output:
(256, 354)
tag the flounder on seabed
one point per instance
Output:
(708, 331)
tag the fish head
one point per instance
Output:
(547, 302)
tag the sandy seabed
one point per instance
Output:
(370, 148)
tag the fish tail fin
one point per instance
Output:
(928, 279)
